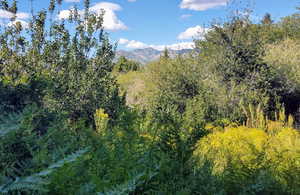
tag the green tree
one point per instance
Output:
(165, 54)
(123, 65)
(267, 19)
(69, 72)
(234, 54)
(290, 26)
(284, 58)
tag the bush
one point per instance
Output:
(239, 156)
(284, 58)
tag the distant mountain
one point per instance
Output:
(148, 54)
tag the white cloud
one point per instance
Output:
(64, 14)
(72, 1)
(136, 45)
(175, 46)
(5, 14)
(133, 44)
(193, 32)
(123, 41)
(201, 5)
(110, 20)
(20, 17)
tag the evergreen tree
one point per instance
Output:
(124, 65)
(166, 54)
(267, 20)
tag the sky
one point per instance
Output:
(136, 24)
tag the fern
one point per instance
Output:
(10, 123)
(129, 186)
(38, 181)
(30, 183)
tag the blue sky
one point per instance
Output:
(160, 23)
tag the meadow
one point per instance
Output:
(222, 120)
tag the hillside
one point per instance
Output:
(149, 54)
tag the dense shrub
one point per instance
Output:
(252, 160)
(284, 57)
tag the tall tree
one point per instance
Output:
(71, 71)
(267, 19)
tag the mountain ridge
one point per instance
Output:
(147, 55)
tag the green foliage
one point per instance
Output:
(9, 124)
(290, 26)
(172, 82)
(132, 84)
(284, 58)
(199, 111)
(235, 54)
(128, 187)
(23, 165)
(60, 68)
(37, 181)
(123, 65)
(65, 129)
(16, 141)
(267, 20)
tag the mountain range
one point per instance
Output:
(149, 54)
